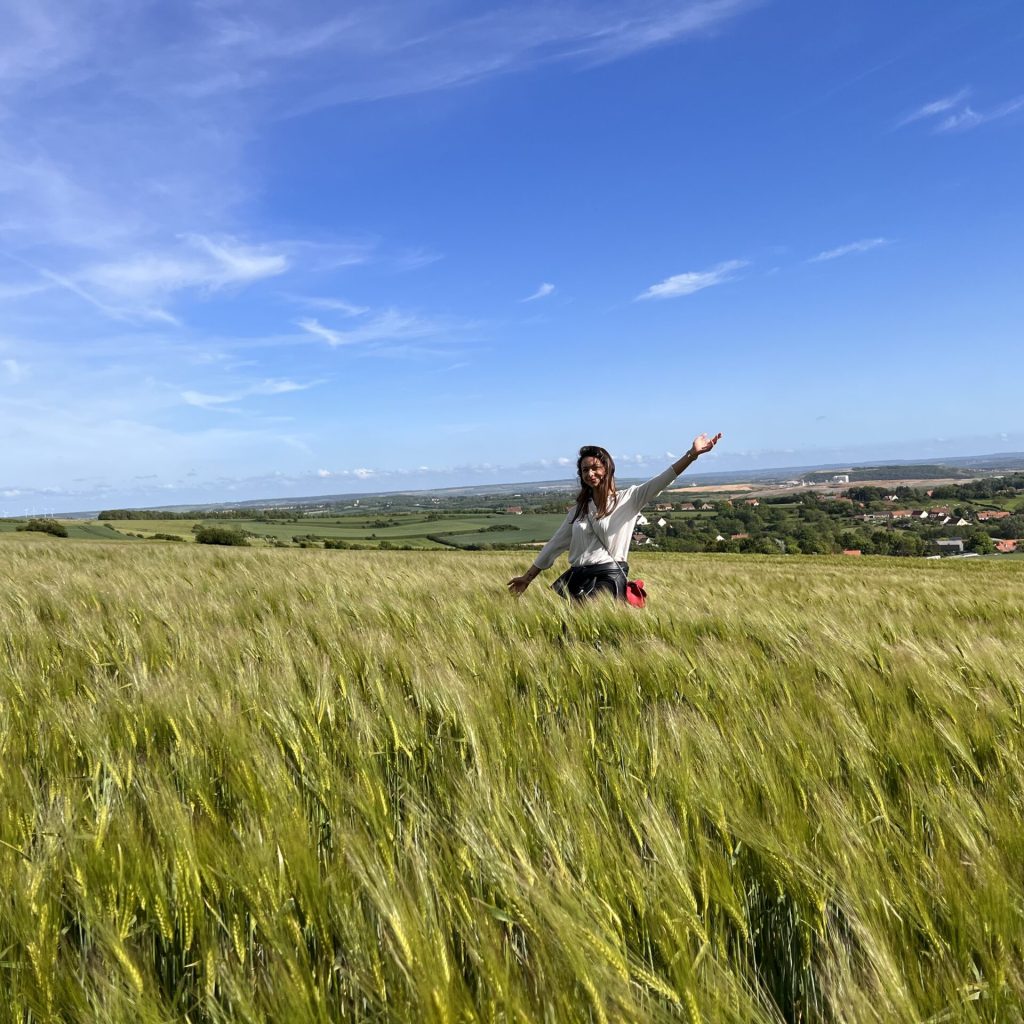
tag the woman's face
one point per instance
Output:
(592, 471)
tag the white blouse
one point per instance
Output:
(583, 539)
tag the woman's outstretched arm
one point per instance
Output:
(702, 443)
(547, 555)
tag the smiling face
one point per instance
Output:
(592, 471)
(596, 470)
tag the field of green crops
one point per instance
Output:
(402, 529)
(254, 784)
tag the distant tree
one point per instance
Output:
(849, 539)
(908, 544)
(50, 526)
(759, 546)
(980, 543)
(725, 546)
(226, 535)
(865, 494)
(1011, 527)
(813, 542)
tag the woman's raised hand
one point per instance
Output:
(702, 443)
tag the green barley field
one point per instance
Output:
(307, 785)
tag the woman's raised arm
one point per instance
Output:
(647, 492)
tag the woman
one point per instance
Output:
(597, 531)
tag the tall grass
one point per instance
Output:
(256, 785)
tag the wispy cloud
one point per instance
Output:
(864, 245)
(936, 107)
(204, 400)
(22, 290)
(693, 281)
(203, 263)
(954, 114)
(114, 312)
(342, 306)
(397, 53)
(388, 326)
(14, 370)
(541, 293)
(968, 117)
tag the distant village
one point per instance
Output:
(832, 516)
(934, 523)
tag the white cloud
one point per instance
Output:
(237, 263)
(22, 290)
(204, 400)
(15, 371)
(203, 263)
(324, 473)
(693, 281)
(960, 121)
(112, 311)
(960, 116)
(278, 387)
(864, 245)
(968, 118)
(395, 50)
(363, 474)
(314, 327)
(390, 325)
(334, 305)
(413, 259)
(542, 292)
(934, 108)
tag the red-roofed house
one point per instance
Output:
(1006, 547)
(851, 551)
(988, 514)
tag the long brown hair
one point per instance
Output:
(604, 493)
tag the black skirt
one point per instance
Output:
(581, 582)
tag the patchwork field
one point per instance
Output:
(401, 529)
(267, 785)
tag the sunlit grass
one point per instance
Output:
(257, 785)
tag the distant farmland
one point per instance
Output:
(400, 529)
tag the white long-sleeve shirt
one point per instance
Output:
(615, 529)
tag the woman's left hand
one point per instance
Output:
(702, 443)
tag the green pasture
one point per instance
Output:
(1008, 504)
(78, 529)
(245, 784)
(408, 529)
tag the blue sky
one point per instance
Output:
(252, 249)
